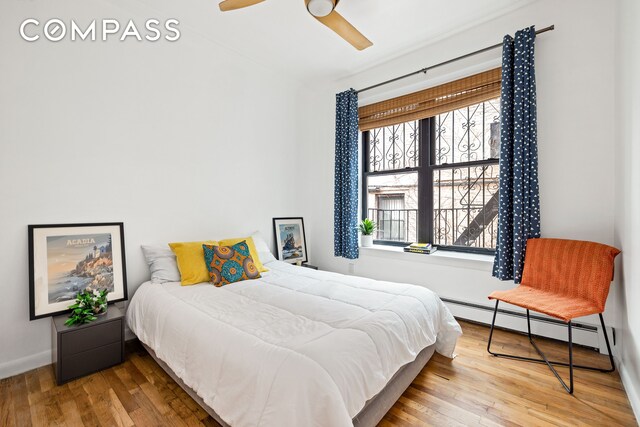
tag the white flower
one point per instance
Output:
(96, 292)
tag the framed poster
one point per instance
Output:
(290, 239)
(65, 259)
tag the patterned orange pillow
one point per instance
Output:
(229, 264)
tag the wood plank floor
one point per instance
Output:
(475, 389)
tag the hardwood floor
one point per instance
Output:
(473, 389)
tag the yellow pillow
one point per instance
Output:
(190, 258)
(252, 250)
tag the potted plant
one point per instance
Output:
(89, 304)
(366, 228)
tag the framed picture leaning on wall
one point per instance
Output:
(65, 259)
(290, 239)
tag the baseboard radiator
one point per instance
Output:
(584, 334)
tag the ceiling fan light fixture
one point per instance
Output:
(320, 8)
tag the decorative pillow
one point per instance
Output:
(252, 250)
(229, 264)
(190, 257)
(162, 264)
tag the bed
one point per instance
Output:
(295, 347)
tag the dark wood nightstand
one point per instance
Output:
(85, 349)
(313, 267)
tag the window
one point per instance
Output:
(435, 179)
(391, 220)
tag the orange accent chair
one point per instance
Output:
(563, 279)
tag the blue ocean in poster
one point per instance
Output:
(78, 262)
(291, 240)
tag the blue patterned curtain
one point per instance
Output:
(519, 206)
(345, 218)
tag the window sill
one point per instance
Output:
(440, 257)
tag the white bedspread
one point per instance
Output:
(297, 347)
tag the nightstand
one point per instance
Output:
(313, 267)
(85, 349)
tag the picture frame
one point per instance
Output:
(290, 238)
(65, 259)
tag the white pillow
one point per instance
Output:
(264, 253)
(162, 264)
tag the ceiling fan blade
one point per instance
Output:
(237, 4)
(344, 29)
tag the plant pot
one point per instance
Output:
(366, 241)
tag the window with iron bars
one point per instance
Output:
(435, 180)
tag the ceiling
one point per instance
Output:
(281, 33)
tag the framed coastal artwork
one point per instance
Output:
(65, 259)
(290, 239)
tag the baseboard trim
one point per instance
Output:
(630, 387)
(583, 333)
(24, 364)
(519, 314)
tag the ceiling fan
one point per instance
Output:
(324, 11)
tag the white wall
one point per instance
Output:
(627, 194)
(575, 78)
(179, 141)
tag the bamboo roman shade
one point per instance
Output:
(431, 102)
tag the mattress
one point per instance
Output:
(295, 347)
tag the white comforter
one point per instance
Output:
(297, 347)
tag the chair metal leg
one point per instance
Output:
(550, 364)
(570, 361)
(606, 340)
(493, 322)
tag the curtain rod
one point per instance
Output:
(424, 70)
